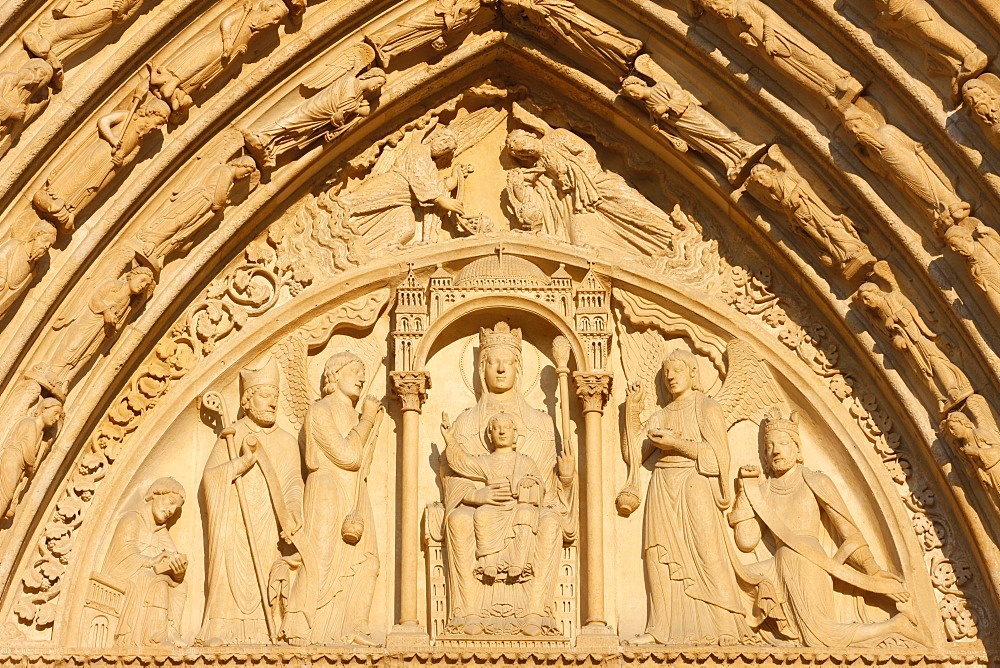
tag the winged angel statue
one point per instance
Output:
(329, 600)
(691, 574)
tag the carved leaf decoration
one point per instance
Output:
(352, 61)
(293, 356)
(749, 389)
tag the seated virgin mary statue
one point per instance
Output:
(509, 503)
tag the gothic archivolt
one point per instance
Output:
(468, 325)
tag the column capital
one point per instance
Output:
(593, 389)
(410, 387)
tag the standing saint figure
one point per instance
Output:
(427, 25)
(779, 186)
(911, 335)
(201, 61)
(18, 257)
(890, 152)
(115, 146)
(519, 602)
(982, 100)
(20, 95)
(171, 228)
(24, 449)
(946, 49)
(795, 588)
(345, 98)
(72, 25)
(331, 598)
(85, 329)
(981, 446)
(759, 27)
(674, 109)
(980, 246)
(143, 558)
(270, 467)
(693, 594)
(590, 37)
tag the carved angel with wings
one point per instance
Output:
(346, 90)
(416, 185)
(330, 599)
(685, 544)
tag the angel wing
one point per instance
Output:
(883, 277)
(351, 61)
(473, 127)
(293, 356)
(646, 66)
(641, 353)
(749, 389)
(387, 158)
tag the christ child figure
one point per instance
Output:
(504, 527)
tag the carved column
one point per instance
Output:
(410, 387)
(593, 389)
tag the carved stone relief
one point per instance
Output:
(778, 185)
(892, 154)
(761, 29)
(116, 143)
(946, 49)
(680, 116)
(478, 213)
(212, 52)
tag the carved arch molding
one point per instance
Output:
(514, 331)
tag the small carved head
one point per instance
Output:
(259, 393)
(344, 372)
(40, 240)
(761, 182)
(502, 431)
(635, 88)
(499, 357)
(980, 99)
(141, 282)
(782, 448)
(442, 143)
(267, 14)
(51, 411)
(727, 9)
(871, 296)
(153, 113)
(859, 123)
(960, 240)
(680, 372)
(373, 80)
(958, 429)
(165, 496)
(524, 146)
(35, 74)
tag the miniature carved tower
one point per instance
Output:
(592, 320)
(409, 320)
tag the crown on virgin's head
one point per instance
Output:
(500, 335)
